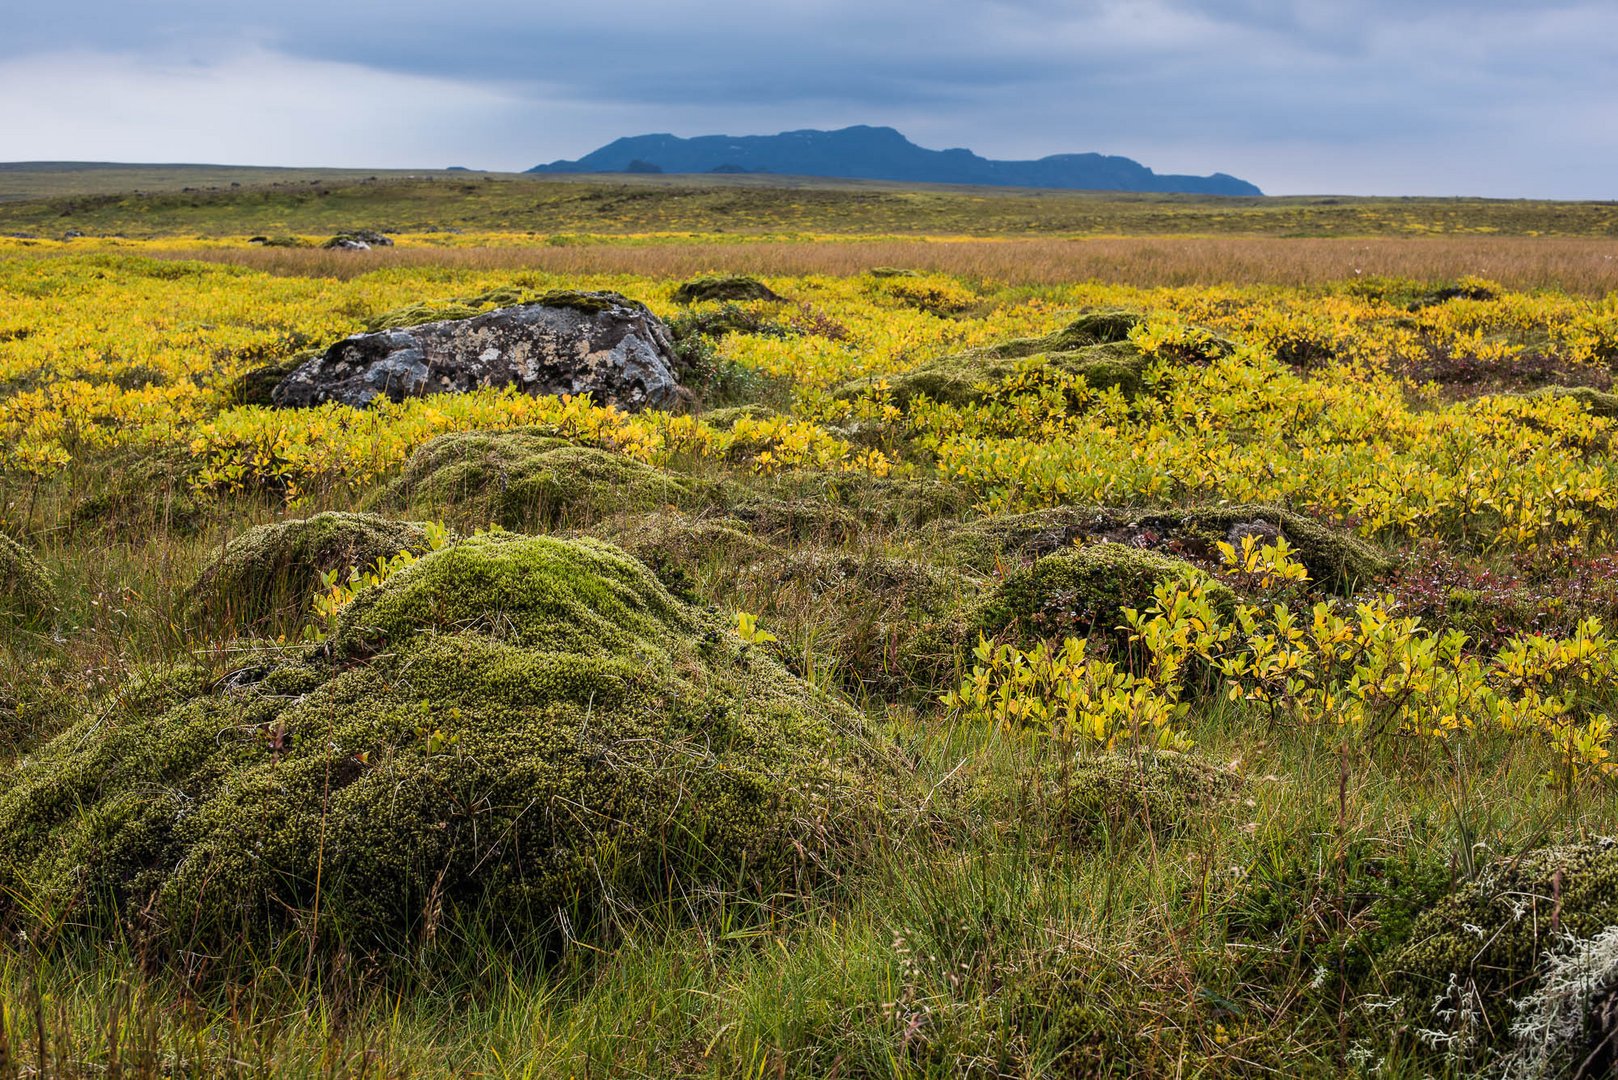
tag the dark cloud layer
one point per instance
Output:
(1485, 96)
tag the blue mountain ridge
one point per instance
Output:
(881, 153)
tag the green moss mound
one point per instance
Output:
(1521, 905)
(1595, 402)
(1096, 346)
(513, 733)
(877, 503)
(270, 572)
(1114, 798)
(1146, 794)
(462, 307)
(526, 478)
(1337, 560)
(878, 624)
(26, 587)
(723, 288)
(1080, 592)
(964, 378)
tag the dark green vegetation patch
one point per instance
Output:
(1080, 591)
(1094, 346)
(25, 585)
(527, 478)
(272, 570)
(517, 729)
(723, 288)
(1337, 560)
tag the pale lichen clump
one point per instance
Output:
(512, 731)
(1524, 923)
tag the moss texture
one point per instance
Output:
(723, 288)
(527, 478)
(26, 587)
(1495, 933)
(1337, 560)
(513, 731)
(1080, 592)
(883, 624)
(255, 386)
(135, 492)
(270, 572)
(1112, 798)
(1596, 402)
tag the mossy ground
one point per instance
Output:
(515, 725)
(268, 574)
(527, 478)
(1080, 592)
(26, 588)
(560, 820)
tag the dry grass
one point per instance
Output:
(1575, 265)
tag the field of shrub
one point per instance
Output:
(976, 675)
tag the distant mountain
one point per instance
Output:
(881, 153)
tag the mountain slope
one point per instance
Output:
(881, 153)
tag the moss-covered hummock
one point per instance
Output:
(1081, 592)
(1596, 402)
(271, 571)
(26, 587)
(723, 287)
(884, 624)
(963, 378)
(513, 732)
(1337, 560)
(1114, 797)
(527, 478)
(1096, 345)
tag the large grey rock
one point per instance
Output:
(601, 344)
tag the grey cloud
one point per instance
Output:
(1302, 89)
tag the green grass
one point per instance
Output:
(149, 201)
(970, 934)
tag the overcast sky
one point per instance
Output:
(1440, 97)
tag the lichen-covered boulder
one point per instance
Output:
(724, 288)
(512, 732)
(358, 240)
(527, 478)
(598, 344)
(1081, 592)
(272, 570)
(25, 585)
